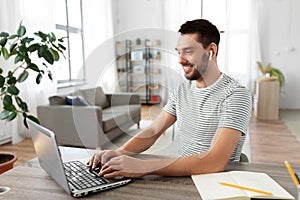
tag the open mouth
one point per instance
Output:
(188, 68)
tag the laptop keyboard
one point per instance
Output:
(80, 177)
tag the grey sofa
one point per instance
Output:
(88, 117)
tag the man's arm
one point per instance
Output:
(214, 160)
(146, 138)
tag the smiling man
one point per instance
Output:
(212, 111)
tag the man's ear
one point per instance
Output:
(210, 54)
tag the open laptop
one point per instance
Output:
(74, 177)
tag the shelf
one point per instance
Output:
(139, 69)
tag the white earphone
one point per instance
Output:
(210, 54)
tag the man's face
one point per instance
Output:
(192, 56)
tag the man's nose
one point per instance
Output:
(182, 60)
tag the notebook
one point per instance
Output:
(210, 187)
(74, 177)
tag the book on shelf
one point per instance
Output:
(239, 185)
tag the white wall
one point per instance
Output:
(279, 31)
(280, 44)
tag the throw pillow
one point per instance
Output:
(95, 96)
(57, 100)
(76, 101)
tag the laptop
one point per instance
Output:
(74, 177)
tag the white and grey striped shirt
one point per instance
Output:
(201, 111)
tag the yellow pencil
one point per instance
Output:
(246, 188)
(289, 168)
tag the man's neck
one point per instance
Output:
(208, 78)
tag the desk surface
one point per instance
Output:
(31, 182)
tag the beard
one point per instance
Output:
(194, 75)
(198, 69)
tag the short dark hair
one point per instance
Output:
(207, 32)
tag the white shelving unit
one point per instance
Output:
(138, 69)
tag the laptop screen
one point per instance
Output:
(48, 153)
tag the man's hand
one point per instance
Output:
(124, 166)
(103, 157)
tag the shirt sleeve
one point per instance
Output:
(236, 110)
(170, 107)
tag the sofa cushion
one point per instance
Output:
(76, 101)
(57, 100)
(112, 120)
(115, 116)
(95, 96)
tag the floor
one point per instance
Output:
(269, 141)
(291, 119)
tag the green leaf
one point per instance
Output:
(47, 55)
(18, 58)
(42, 35)
(5, 53)
(38, 78)
(1, 70)
(3, 89)
(34, 67)
(18, 100)
(24, 106)
(22, 50)
(13, 90)
(62, 46)
(9, 107)
(33, 47)
(12, 47)
(12, 80)
(12, 116)
(41, 50)
(4, 114)
(52, 37)
(50, 75)
(23, 76)
(2, 81)
(3, 41)
(21, 30)
(27, 40)
(13, 36)
(7, 100)
(33, 119)
(27, 59)
(4, 34)
(54, 54)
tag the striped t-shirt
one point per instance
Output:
(201, 111)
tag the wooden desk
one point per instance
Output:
(31, 182)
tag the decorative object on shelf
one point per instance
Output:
(7, 160)
(138, 41)
(23, 50)
(270, 73)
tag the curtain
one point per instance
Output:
(9, 20)
(99, 45)
(254, 41)
(175, 13)
(35, 15)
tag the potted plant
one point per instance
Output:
(270, 73)
(24, 51)
(7, 160)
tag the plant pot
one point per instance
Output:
(7, 160)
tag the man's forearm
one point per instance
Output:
(184, 166)
(141, 142)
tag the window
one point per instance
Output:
(232, 19)
(69, 23)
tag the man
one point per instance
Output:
(212, 111)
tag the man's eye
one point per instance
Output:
(189, 52)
